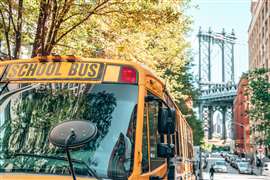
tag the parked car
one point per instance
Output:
(244, 168)
(220, 166)
(266, 169)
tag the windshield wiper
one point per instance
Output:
(6, 83)
(91, 172)
(4, 87)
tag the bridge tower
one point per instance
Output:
(216, 96)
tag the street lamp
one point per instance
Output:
(244, 128)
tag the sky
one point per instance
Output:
(219, 14)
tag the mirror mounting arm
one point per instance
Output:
(68, 140)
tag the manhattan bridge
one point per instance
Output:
(216, 84)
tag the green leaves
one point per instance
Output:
(258, 92)
(197, 128)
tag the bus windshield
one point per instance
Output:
(29, 111)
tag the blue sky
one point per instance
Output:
(218, 14)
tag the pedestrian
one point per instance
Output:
(212, 171)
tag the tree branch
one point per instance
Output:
(82, 21)
(18, 32)
(55, 27)
(11, 15)
(53, 21)
(71, 16)
(6, 32)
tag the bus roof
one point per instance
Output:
(27, 69)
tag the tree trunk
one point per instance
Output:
(41, 32)
(18, 33)
(6, 28)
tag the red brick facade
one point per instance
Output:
(241, 119)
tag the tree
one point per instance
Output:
(11, 25)
(259, 97)
(56, 19)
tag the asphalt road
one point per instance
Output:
(231, 170)
(231, 175)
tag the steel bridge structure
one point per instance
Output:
(215, 101)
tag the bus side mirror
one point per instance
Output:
(166, 121)
(72, 134)
(165, 150)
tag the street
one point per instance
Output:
(231, 175)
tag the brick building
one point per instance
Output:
(241, 120)
(259, 34)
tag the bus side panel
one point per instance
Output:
(184, 168)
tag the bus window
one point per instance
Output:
(169, 139)
(155, 161)
(173, 139)
(145, 158)
(181, 139)
(177, 143)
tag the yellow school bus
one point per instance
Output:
(123, 124)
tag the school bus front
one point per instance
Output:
(37, 94)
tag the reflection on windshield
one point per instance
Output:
(28, 112)
(220, 163)
(243, 164)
